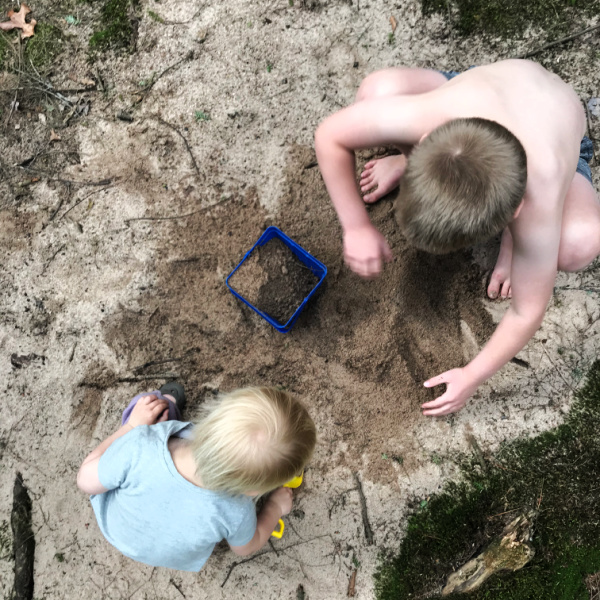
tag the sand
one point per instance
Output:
(127, 290)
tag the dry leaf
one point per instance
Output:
(54, 137)
(17, 21)
(393, 24)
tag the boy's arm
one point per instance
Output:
(367, 124)
(150, 408)
(278, 505)
(534, 264)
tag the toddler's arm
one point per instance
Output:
(145, 412)
(278, 505)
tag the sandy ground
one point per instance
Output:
(112, 288)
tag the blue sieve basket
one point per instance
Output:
(316, 266)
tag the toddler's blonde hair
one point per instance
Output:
(252, 440)
(462, 185)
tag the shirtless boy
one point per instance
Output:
(505, 158)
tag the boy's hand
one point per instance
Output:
(149, 410)
(364, 248)
(459, 388)
(282, 498)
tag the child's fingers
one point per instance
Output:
(147, 399)
(164, 416)
(158, 407)
(437, 403)
(437, 380)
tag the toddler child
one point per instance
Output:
(165, 491)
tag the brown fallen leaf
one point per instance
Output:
(17, 21)
(54, 137)
(393, 24)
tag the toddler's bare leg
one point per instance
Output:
(580, 235)
(384, 174)
(500, 279)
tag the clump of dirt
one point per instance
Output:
(274, 280)
(353, 356)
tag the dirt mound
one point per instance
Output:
(360, 352)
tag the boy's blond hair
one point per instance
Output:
(462, 185)
(252, 440)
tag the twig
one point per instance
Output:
(188, 56)
(153, 363)
(245, 560)
(84, 198)
(363, 509)
(52, 258)
(241, 562)
(352, 585)
(176, 587)
(195, 212)
(145, 377)
(477, 451)
(187, 145)
(560, 41)
(504, 513)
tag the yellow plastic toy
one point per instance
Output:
(292, 483)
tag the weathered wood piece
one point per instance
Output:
(510, 551)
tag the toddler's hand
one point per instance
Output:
(149, 410)
(364, 248)
(283, 498)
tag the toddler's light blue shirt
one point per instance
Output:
(153, 515)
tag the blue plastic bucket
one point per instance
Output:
(317, 267)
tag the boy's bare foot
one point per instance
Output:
(383, 174)
(500, 280)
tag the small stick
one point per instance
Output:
(195, 212)
(82, 199)
(187, 145)
(171, 581)
(352, 585)
(52, 258)
(363, 508)
(188, 56)
(241, 562)
(560, 41)
(477, 451)
(145, 377)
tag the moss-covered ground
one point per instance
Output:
(506, 17)
(557, 472)
(116, 25)
(45, 45)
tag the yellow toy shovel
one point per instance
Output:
(292, 483)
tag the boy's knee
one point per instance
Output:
(579, 248)
(375, 85)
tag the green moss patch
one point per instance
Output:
(557, 472)
(4, 48)
(117, 28)
(45, 45)
(506, 17)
